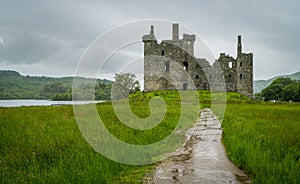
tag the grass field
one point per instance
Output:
(264, 139)
(45, 145)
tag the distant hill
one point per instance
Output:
(261, 84)
(13, 85)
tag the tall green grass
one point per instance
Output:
(264, 139)
(45, 145)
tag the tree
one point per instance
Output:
(52, 89)
(284, 81)
(124, 84)
(268, 94)
(85, 91)
(135, 88)
(292, 92)
(282, 89)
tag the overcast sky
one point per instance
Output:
(48, 37)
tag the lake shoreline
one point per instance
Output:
(36, 102)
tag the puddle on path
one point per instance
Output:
(201, 160)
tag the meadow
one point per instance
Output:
(45, 145)
(263, 139)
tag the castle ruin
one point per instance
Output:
(171, 65)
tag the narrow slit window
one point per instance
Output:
(241, 64)
(185, 65)
(163, 52)
(241, 76)
(229, 76)
(250, 63)
(167, 66)
(197, 76)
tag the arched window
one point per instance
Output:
(163, 52)
(184, 86)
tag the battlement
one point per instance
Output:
(188, 37)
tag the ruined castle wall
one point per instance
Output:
(171, 65)
(164, 67)
(228, 66)
(245, 74)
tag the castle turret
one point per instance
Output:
(149, 41)
(150, 37)
(188, 43)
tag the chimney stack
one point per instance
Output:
(175, 35)
(152, 30)
(239, 46)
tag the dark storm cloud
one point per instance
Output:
(55, 33)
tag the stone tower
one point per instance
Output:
(244, 71)
(171, 65)
(238, 73)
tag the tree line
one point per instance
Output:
(16, 86)
(123, 85)
(281, 89)
(85, 91)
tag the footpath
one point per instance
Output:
(201, 160)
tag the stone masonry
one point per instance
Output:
(171, 65)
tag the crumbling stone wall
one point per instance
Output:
(171, 65)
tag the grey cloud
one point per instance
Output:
(28, 48)
(57, 32)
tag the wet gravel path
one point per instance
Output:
(201, 160)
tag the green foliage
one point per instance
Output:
(56, 88)
(263, 139)
(124, 85)
(282, 89)
(282, 81)
(15, 86)
(43, 144)
(291, 92)
(88, 91)
(261, 84)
